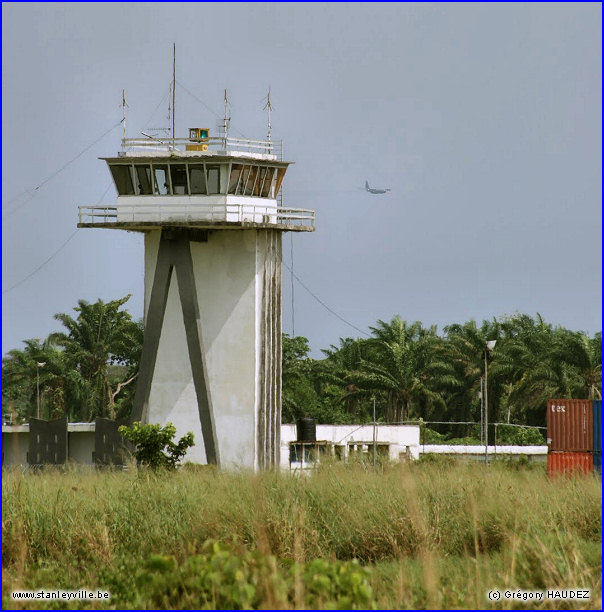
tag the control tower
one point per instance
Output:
(211, 212)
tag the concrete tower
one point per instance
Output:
(210, 209)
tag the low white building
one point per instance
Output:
(394, 442)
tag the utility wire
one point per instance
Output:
(54, 254)
(206, 106)
(42, 264)
(335, 314)
(34, 191)
(166, 95)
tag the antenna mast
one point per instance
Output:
(269, 107)
(227, 119)
(173, 91)
(124, 106)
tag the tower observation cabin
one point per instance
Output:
(212, 216)
(200, 181)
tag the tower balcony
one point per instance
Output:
(206, 212)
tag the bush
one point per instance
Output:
(155, 446)
(519, 436)
(221, 579)
(335, 585)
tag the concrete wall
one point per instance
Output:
(80, 447)
(15, 444)
(238, 281)
(400, 439)
(184, 209)
(477, 452)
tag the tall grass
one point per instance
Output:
(432, 535)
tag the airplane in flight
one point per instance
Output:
(370, 190)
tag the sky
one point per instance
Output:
(484, 120)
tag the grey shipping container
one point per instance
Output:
(570, 425)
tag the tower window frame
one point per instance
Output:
(157, 190)
(122, 178)
(144, 179)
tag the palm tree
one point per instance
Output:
(541, 362)
(405, 366)
(20, 372)
(334, 370)
(464, 348)
(101, 336)
(583, 358)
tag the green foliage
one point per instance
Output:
(410, 370)
(155, 446)
(299, 396)
(216, 579)
(404, 366)
(429, 436)
(88, 371)
(519, 436)
(465, 441)
(431, 535)
(336, 585)
(222, 578)
(101, 336)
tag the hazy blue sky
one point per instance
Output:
(483, 119)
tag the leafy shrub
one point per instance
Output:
(519, 436)
(220, 578)
(335, 585)
(468, 441)
(429, 436)
(155, 446)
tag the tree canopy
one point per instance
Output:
(84, 372)
(408, 370)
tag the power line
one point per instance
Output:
(41, 265)
(54, 254)
(34, 191)
(166, 95)
(206, 106)
(333, 312)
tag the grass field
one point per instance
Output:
(428, 535)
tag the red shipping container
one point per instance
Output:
(570, 425)
(569, 463)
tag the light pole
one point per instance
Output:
(481, 398)
(489, 346)
(374, 433)
(39, 364)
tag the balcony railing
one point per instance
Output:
(154, 214)
(214, 143)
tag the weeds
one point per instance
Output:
(424, 535)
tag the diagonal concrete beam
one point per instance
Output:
(175, 253)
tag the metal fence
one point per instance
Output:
(213, 143)
(197, 213)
